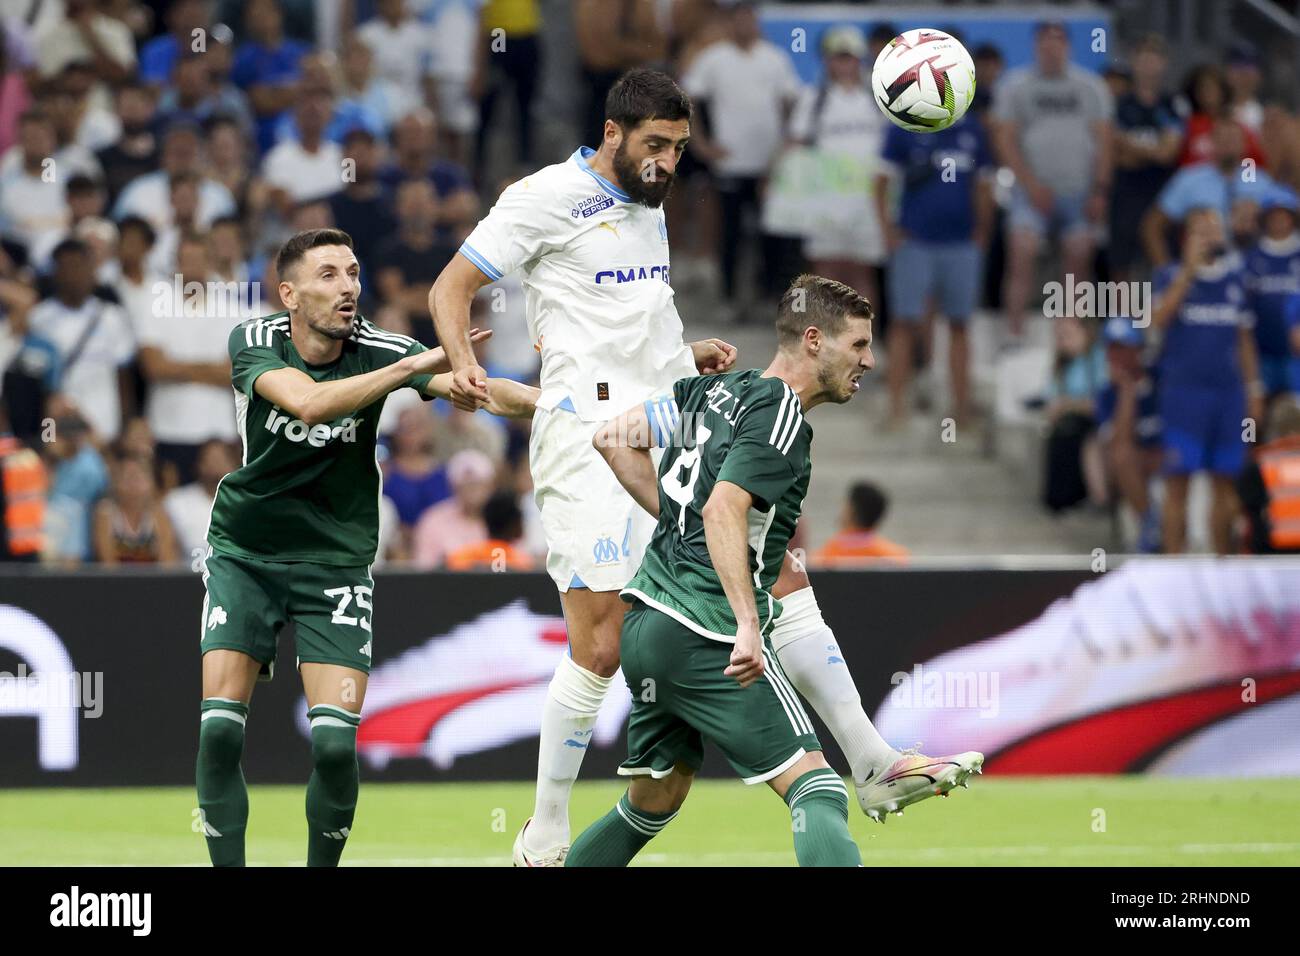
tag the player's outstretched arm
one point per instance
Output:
(317, 402)
(625, 444)
(450, 299)
(506, 397)
(726, 532)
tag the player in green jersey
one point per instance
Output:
(293, 531)
(695, 649)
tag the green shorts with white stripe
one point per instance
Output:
(681, 698)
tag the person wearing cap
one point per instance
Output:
(1273, 285)
(1054, 130)
(1148, 135)
(838, 119)
(1128, 426)
(1209, 388)
(458, 521)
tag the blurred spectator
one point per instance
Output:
(131, 525)
(413, 475)
(266, 67)
(1243, 78)
(1054, 130)
(190, 505)
(936, 232)
(193, 96)
(1270, 485)
(23, 487)
(188, 26)
(361, 208)
(1207, 364)
(85, 34)
(1219, 185)
(136, 150)
(79, 479)
(408, 262)
(857, 540)
(320, 72)
(134, 284)
(183, 197)
(1074, 469)
(376, 95)
(1207, 93)
(455, 48)
(463, 430)
(499, 551)
(1148, 136)
(310, 167)
(15, 98)
(229, 165)
(93, 338)
(229, 260)
(840, 121)
(452, 524)
(745, 87)
(509, 54)
(1128, 427)
(148, 196)
(85, 198)
(613, 37)
(414, 150)
(80, 119)
(184, 358)
(400, 43)
(1272, 277)
(33, 207)
(989, 65)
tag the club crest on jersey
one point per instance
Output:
(318, 436)
(591, 205)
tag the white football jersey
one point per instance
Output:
(594, 266)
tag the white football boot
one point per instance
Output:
(524, 857)
(913, 777)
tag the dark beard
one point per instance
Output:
(652, 193)
(333, 332)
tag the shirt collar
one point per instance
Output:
(581, 155)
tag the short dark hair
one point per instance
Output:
(816, 300)
(141, 225)
(292, 252)
(503, 517)
(67, 246)
(868, 504)
(82, 184)
(643, 94)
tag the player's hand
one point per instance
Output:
(713, 356)
(747, 656)
(469, 388)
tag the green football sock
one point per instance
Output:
(819, 815)
(332, 790)
(223, 796)
(617, 836)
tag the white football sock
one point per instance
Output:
(811, 657)
(568, 717)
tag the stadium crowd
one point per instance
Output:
(151, 150)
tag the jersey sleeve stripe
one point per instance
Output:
(656, 424)
(479, 260)
(376, 343)
(375, 332)
(780, 417)
(795, 424)
(248, 334)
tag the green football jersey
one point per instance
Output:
(304, 493)
(739, 427)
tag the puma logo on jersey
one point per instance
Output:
(611, 227)
(216, 616)
(318, 436)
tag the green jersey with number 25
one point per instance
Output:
(740, 427)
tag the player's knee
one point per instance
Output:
(334, 751)
(221, 742)
(660, 796)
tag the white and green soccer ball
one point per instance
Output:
(923, 80)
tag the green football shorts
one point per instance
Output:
(249, 601)
(681, 697)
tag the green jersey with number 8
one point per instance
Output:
(740, 427)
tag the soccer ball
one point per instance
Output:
(923, 80)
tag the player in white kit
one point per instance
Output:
(590, 239)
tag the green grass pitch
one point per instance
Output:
(1081, 821)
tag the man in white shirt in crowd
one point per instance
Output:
(189, 506)
(93, 338)
(149, 196)
(748, 87)
(184, 358)
(33, 201)
(310, 167)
